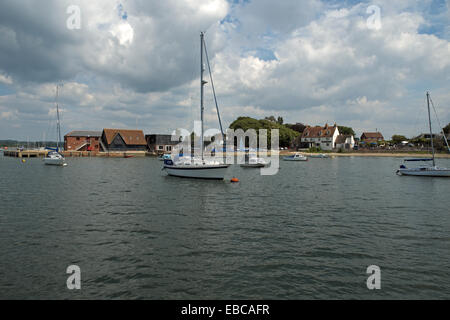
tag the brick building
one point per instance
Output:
(83, 141)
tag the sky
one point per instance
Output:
(136, 63)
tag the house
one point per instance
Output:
(321, 137)
(371, 137)
(82, 141)
(160, 143)
(123, 140)
(345, 141)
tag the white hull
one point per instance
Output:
(425, 172)
(55, 162)
(214, 172)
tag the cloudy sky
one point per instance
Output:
(135, 63)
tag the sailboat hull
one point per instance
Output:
(425, 172)
(213, 172)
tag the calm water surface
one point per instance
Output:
(307, 233)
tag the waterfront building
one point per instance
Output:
(321, 137)
(345, 141)
(371, 137)
(160, 143)
(123, 140)
(82, 141)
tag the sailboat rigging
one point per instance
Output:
(425, 170)
(199, 168)
(54, 157)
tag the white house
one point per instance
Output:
(345, 141)
(321, 137)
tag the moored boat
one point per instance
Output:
(296, 157)
(425, 170)
(202, 168)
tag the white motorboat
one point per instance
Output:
(201, 168)
(296, 157)
(425, 170)
(253, 161)
(53, 157)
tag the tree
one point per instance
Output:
(346, 130)
(447, 129)
(280, 120)
(299, 127)
(271, 118)
(286, 135)
(396, 138)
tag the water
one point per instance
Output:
(309, 232)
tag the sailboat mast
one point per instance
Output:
(202, 84)
(429, 122)
(58, 121)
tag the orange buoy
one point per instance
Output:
(234, 180)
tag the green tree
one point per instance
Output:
(396, 138)
(280, 120)
(286, 135)
(346, 130)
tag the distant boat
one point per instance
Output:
(127, 156)
(320, 155)
(199, 167)
(296, 157)
(425, 170)
(253, 161)
(53, 157)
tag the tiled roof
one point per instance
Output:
(319, 132)
(372, 135)
(84, 134)
(342, 138)
(131, 137)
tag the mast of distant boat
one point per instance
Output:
(431, 131)
(202, 84)
(58, 121)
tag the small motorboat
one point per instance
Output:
(296, 157)
(127, 156)
(254, 162)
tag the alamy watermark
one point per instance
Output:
(374, 280)
(74, 280)
(374, 20)
(73, 22)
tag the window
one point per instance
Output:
(168, 148)
(78, 138)
(160, 147)
(96, 139)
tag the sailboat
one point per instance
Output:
(54, 157)
(190, 167)
(425, 170)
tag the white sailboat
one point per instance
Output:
(425, 170)
(53, 157)
(201, 168)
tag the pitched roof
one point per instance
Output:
(161, 139)
(342, 138)
(82, 133)
(130, 137)
(319, 132)
(372, 135)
